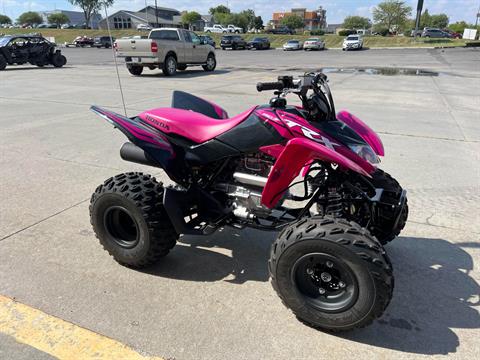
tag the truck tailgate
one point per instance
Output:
(134, 48)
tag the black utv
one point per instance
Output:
(32, 49)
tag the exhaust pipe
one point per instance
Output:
(249, 179)
(132, 153)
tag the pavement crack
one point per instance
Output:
(44, 219)
(427, 137)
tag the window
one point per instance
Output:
(122, 23)
(194, 37)
(165, 35)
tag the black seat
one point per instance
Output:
(186, 101)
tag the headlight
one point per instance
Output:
(366, 153)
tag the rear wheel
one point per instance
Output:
(3, 63)
(58, 60)
(135, 69)
(211, 63)
(170, 66)
(331, 273)
(129, 219)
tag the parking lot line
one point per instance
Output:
(57, 337)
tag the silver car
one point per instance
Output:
(292, 45)
(313, 44)
(352, 42)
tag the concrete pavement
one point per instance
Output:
(210, 298)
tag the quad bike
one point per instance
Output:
(328, 264)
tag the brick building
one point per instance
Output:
(312, 20)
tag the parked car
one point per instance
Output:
(82, 41)
(259, 43)
(233, 41)
(33, 49)
(283, 30)
(143, 27)
(453, 34)
(292, 45)
(216, 29)
(235, 29)
(352, 42)
(169, 49)
(68, 26)
(313, 44)
(103, 41)
(206, 39)
(435, 33)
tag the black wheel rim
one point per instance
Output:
(121, 226)
(326, 282)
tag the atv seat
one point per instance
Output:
(186, 101)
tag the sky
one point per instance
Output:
(336, 10)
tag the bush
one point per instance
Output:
(317, 32)
(346, 32)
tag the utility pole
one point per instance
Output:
(146, 13)
(478, 15)
(156, 12)
(419, 15)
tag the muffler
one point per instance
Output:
(132, 153)
(250, 179)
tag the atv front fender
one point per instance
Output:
(296, 154)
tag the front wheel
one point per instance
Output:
(129, 219)
(211, 63)
(331, 273)
(58, 60)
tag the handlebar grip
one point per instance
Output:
(278, 85)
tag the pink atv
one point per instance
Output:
(328, 264)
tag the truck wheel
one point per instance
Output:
(129, 219)
(170, 66)
(211, 63)
(181, 67)
(3, 63)
(331, 273)
(58, 60)
(135, 69)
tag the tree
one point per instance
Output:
(219, 9)
(190, 17)
(30, 17)
(4, 19)
(425, 19)
(392, 14)
(459, 27)
(439, 21)
(58, 19)
(292, 21)
(258, 23)
(90, 7)
(356, 22)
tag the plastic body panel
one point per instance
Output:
(186, 101)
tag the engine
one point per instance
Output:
(245, 189)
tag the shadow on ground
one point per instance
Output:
(186, 73)
(433, 294)
(22, 67)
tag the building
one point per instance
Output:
(333, 28)
(205, 20)
(151, 16)
(312, 20)
(76, 18)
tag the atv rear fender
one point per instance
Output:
(296, 154)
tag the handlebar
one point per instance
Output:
(265, 86)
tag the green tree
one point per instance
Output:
(4, 19)
(219, 9)
(91, 7)
(293, 22)
(58, 19)
(392, 14)
(258, 23)
(30, 17)
(459, 26)
(425, 19)
(439, 21)
(249, 18)
(356, 22)
(189, 17)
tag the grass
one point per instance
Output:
(331, 41)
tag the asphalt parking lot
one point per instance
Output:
(210, 298)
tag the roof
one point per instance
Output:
(159, 8)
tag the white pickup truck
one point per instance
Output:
(217, 28)
(169, 49)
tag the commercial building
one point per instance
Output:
(76, 18)
(151, 16)
(312, 20)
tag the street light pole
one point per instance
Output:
(478, 15)
(156, 12)
(419, 15)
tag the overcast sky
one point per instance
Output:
(336, 10)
